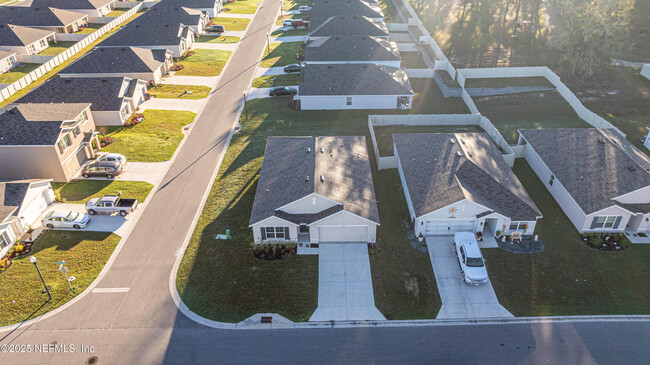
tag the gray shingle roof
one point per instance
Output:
(347, 25)
(195, 4)
(344, 165)
(439, 172)
(353, 79)
(72, 4)
(11, 197)
(38, 16)
(594, 165)
(351, 48)
(324, 9)
(114, 60)
(102, 93)
(16, 35)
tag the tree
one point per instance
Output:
(588, 33)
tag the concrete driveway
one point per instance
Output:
(189, 105)
(150, 172)
(172, 79)
(344, 284)
(263, 92)
(270, 71)
(460, 300)
(99, 222)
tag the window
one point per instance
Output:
(125, 111)
(64, 143)
(605, 222)
(10, 61)
(518, 226)
(83, 116)
(552, 179)
(31, 49)
(76, 131)
(281, 233)
(4, 242)
(43, 43)
(348, 100)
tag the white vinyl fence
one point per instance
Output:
(645, 71)
(54, 61)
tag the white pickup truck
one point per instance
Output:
(111, 204)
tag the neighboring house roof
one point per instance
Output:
(594, 165)
(344, 165)
(5, 54)
(11, 198)
(441, 169)
(324, 9)
(73, 4)
(105, 94)
(38, 16)
(16, 35)
(353, 79)
(110, 60)
(347, 25)
(36, 124)
(351, 48)
(196, 4)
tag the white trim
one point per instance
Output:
(306, 196)
(343, 211)
(267, 218)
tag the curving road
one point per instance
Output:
(143, 325)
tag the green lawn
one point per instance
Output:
(223, 281)
(205, 62)
(412, 60)
(428, 99)
(290, 32)
(507, 81)
(232, 24)
(56, 48)
(568, 278)
(80, 191)
(91, 28)
(295, 4)
(390, 13)
(384, 135)
(17, 72)
(241, 7)
(277, 80)
(117, 12)
(634, 126)
(291, 16)
(282, 54)
(153, 140)
(85, 253)
(179, 91)
(217, 39)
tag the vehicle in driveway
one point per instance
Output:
(470, 259)
(294, 67)
(304, 9)
(299, 23)
(289, 22)
(112, 157)
(216, 29)
(111, 204)
(283, 91)
(108, 169)
(65, 219)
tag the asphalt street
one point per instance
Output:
(143, 325)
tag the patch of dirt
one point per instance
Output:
(411, 285)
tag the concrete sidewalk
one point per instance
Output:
(190, 80)
(232, 47)
(297, 38)
(190, 105)
(234, 15)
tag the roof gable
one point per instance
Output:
(354, 79)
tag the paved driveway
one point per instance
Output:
(210, 81)
(150, 172)
(263, 92)
(344, 284)
(460, 300)
(99, 222)
(269, 71)
(189, 105)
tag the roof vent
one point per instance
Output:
(459, 153)
(308, 149)
(67, 81)
(322, 178)
(469, 153)
(452, 141)
(462, 141)
(582, 177)
(631, 168)
(307, 178)
(322, 150)
(600, 140)
(330, 67)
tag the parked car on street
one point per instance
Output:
(113, 157)
(111, 204)
(283, 91)
(108, 169)
(66, 219)
(470, 259)
(216, 29)
(294, 67)
(304, 9)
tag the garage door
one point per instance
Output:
(34, 210)
(449, 226)
(343, 234)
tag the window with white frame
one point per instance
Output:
(275, 233)
(10, 61)
(4, 242)
(83, 116)
(125, 111)
(43, 43)
(64, 143)
(31, 49)
(605, 221)
(518, 226)
(348, 100)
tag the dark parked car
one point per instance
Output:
(283, 91)
(108, 169)
(217, 29)
(294, 67)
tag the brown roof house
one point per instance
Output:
(7, 61)
(47, 141)
(24, 40)
(48, 18)
(315, 190)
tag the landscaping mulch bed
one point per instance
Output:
(606, 242)
(527, 246)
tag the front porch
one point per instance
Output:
(637, 237)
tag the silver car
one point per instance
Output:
(66, 219)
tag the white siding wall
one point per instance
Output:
(312, 203)
(465, 209)
(340, 102)
(274, 222)
(108, 118)
(407, 195)
(5, 64)
(611, 211)
(142, 76)
(343, 219)
(35, 192)
(10, 236)
(641, 196)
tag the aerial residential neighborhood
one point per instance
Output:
(384, 181)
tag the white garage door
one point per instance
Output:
(34, 210)
(449, 226)
(343, 234)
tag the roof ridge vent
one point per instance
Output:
(308, 149)
(306, 178)
(322, 178)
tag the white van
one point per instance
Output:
(304, 9)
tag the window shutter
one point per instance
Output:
(263, 231)
(617, 222)
(593, 223)
(286, 233)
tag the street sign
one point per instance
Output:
(61, 263)
(63, 269)
(72, 278)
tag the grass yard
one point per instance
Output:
(170, 91)
(91, 28)
(507, 82)
(204, 62)
(17, 72)
(282, 54)
(85, 252)
(290, 288)
(428, 99)
(241, 7)
(535, 110)
(295, 4)
(117, 12)
(56, 48)
(277, 80)
(80, 191)
(290, 32)
(384, 135)
(412, 60)
(291, 16)
(634, 126)
(154, 140)
(231, 24)
(568, 278)
(389, 10)
(217, 39)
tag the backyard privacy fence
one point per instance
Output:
(50, 62)
(645, 71)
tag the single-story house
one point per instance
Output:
(455, 182)
(164, 26)
(21, 204)
(113, 99)
(354, 86)
(132, 62)
(24, 40)
(344, 25)
(322, 10)
(315, 190)
(7, 61)
(48, 18)
(47, 141)
(94, 8)
(352, 49)
(210, 7)
(599, 179)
